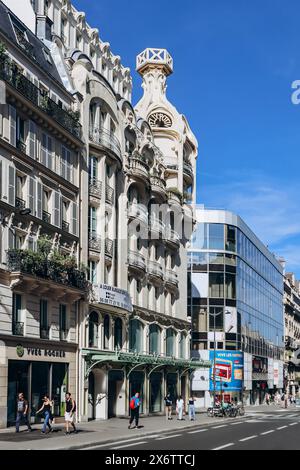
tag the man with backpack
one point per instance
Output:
(135, 404)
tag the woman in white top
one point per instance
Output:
(179, 408)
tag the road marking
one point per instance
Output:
(108, 444)
(224, 447)
(247, 438)
(240, 422)
(268, 432)
(195, 432)
(219, 427)
(130, 445)
(168, 437)
(282, 427)
(293, 424)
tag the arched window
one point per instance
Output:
(154, 339)
(182, 346)
(118, 334)
(170, 346)
(136, 336)
(106, 332)
(93, 330)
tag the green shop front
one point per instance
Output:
(112, 378)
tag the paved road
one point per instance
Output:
(278, 430)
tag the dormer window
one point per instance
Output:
(22, 38)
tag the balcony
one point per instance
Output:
(20, 203)
(95, 188)
(46, 217)
(139, 168)
(155, 270)
(156, 227)
(188, 172)
(12, 75)
(95, 243)
(38, 270)
(65, 226)
(138, 212)
(21, 146)
(109, 195)
(171, 278)
(172, 238)
(109, 248)
(137, 261)
(18, 329)
(175, 198)
(106, 139)
(45, 332)
(158, 185)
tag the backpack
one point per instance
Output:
(132, 404)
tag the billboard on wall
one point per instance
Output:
(228, 371)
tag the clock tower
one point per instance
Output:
(171, 130)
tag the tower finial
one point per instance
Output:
(150, 58)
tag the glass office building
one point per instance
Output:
(235, 298)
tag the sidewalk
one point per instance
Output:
(94, 433)
(102, 432)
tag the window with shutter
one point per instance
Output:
(31, 195)
(11, 185)
(75, 222)
(47, 151)
(32, 140)
(44, 149)
(13, 125)
(39, 200)
(56, 208)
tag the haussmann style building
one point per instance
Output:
(96, 211)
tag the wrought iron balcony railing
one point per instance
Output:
(10, 73)
(20, 203)
(136, 260)
(18, 329)
(46, 217)
(101, 136)
(109, 248)
(109, 195)
(26, 262)
(95, 188)
(65, 226)
(95, 243)
(21, 145)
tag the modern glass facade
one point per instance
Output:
(226, 269)
(235, 290)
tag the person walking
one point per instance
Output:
(46, 408)
(135, 404)
(179, 408)
(192, 410)
(70, 413)
(22, 412)
(169, 405)
(268, 399)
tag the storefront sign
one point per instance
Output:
(228, 371)
(38, 352)
(113, 296)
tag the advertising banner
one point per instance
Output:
(228, 371)
(108, 295)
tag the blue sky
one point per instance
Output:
(235, 61)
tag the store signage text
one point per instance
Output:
(37, 352)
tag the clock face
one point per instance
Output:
(160, 120)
